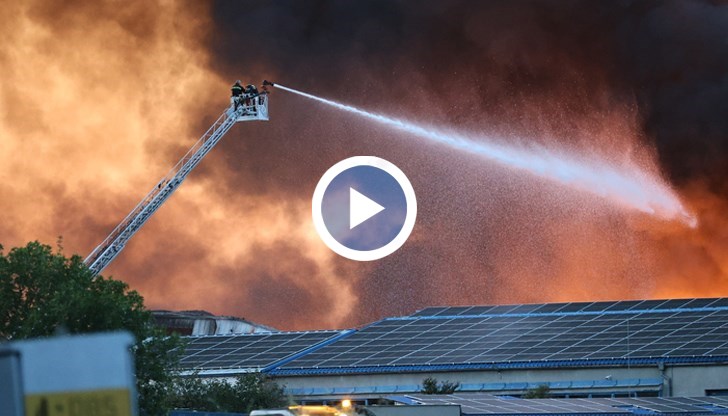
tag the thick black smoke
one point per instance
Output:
(510, 68)
(673, 56)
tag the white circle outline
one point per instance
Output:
(409, 221)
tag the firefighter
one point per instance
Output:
(237, 94)
(251, 90)
(250, 93)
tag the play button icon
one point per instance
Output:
(364, 208)
(361, 208)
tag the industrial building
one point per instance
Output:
(479, 404)
(623, 349)
(205, 323)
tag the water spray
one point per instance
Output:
(628, 187)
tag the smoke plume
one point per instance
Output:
(99, 100)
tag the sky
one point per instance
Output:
(100, 99)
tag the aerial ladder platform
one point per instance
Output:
(247, 109)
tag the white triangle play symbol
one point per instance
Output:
(361, 208)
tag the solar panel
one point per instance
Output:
(650, 304)
(247, 351)
(699, 303)
(719, 302)
(575, 307)
(600, 330)
(482, 404)
(674, 303)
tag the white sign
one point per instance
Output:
(78, 375)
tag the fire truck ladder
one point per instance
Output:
(255, 108)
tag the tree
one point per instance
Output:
(540, 392)
(248, 392)
(42, 293)
(431, 386)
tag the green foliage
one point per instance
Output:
(42, 293)
(155, 357)
(431, 386)
(540, 392)
(248, 392)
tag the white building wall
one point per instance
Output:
(693, 381)
(681, 381)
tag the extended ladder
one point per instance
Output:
(255, 108)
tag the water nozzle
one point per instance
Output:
(266, 82)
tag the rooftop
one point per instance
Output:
(473, 404)
(488, 337)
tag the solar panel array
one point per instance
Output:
(248, 351)
(485, 404)
(670, 404)
(524, 333)
(575, 307)
(488, 404)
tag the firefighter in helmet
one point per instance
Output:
(251, 90)
(237, 94)
(250, 93)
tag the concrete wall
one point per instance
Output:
(490, 376)
(679, 381)
(693, 380)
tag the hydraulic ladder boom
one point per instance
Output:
(104, 253)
